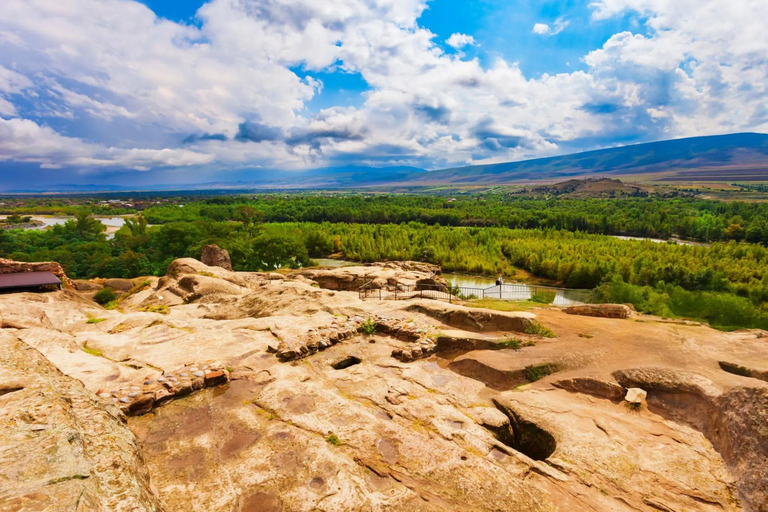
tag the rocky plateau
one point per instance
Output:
(208, 389)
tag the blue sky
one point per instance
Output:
(194, 91)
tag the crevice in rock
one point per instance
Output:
(525, 436)
(10, 388)
(743, 371)
(346, 362)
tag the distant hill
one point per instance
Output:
(589, 188)
(737, 157)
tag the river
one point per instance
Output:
(112, 223)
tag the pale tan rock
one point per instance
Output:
(60, 449)
(214, 256)
(601, 310)
(635, 397)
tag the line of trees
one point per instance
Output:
(690, 219)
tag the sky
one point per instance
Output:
(160, 91)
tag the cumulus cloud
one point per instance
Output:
(224, 92)
(459, 41)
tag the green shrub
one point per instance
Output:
(333, 439)
(93, 320)
(514, 344)
(539, 371)
(369, 327)
(539, 330)
(104, 296)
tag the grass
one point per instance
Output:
(111, 305)
(206, 274)
(369, 327)
(92, 351)
(503, 305)
(93, 320)
(539, 330)
(539, 371)
(514, 343)
(160, 308)
(333, 439)
(544, 297)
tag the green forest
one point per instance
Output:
(686, 218)
(693, 219)
(725, 283)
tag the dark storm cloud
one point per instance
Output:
(206, 136)
(257, 132)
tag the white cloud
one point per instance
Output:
(459, 41)
(150, 83)
(22, 140)
(543, 29)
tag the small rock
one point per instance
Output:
(185, 375)
(636, 396)
(133, 394)
(215, 378)
(198, 373)
(105, 395)
(125, 400)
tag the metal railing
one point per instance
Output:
(516, 291)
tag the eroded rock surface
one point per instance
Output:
(60, 448)
(328, 402)
(601, 310)
(214, 256)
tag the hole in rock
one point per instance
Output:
(346, 362)
(526, 436)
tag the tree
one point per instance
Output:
(249, 217)
(272, 252)
(137, 226)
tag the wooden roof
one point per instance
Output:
(28, 280)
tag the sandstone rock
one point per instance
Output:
(413, 266)
(76, 455)
(353, 278)
(592, 386)
(83, 285)
(121, 285)
(10, 267)
(475, 319)
(415, 434)
(215, 256)
(600, 310)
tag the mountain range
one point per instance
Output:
(740, 157)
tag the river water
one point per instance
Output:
(112, 223)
